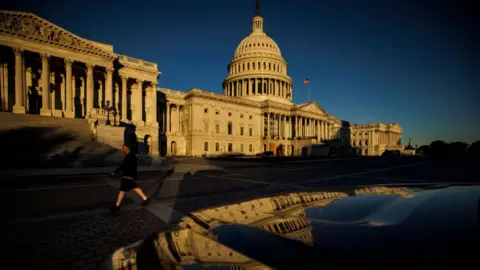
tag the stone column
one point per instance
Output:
(153, 106)
(74, 91)
(82, 95)
(109, 86)
(53, 82)
(295, 128)
(303, 126)
(124, 99)
(90, 86)
(117, 96)
(19, 82)
(68, 89)
(4, 81)
(244, 87)
(167, 122)
(138, 104)
(268, 125)
(289, 131)
(63, 98)
(28, 85)
(312, 127)
(179, 120)
(100, 90)
(262, 125)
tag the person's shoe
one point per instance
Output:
(145, 202)
(114, 208)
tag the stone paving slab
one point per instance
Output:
(84, 242)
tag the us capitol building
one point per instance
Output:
(255, 113)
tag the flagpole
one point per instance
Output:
(308, 92)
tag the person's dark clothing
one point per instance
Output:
(129, 170)
(129, 166)
(127, 184)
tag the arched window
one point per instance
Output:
(229, 128)
(264, 65)
(248, 66)
(253, 65)
(269, 66)
(258, 65)
(243, 67)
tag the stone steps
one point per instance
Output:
(33, 141)
(46, 127)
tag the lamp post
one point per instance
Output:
(108, 108)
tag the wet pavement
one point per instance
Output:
(63, 222)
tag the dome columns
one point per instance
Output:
(258, 86)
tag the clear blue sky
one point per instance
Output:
(416, 63)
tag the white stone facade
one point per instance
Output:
(254, 114)
(47, 70)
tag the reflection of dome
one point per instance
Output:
(405, 193)
(258, 70)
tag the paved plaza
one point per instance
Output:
(62, 222)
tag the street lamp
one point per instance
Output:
(108, 108)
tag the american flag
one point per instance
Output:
(306, 81)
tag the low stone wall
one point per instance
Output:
(110, 135)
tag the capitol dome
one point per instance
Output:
(258, 70)
(257, 42)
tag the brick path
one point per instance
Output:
(83, 242)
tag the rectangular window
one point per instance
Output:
(205, 127)
(217, 147)
(241, 131)
(230, 147)
(250, 117)
(205, 146)
(241, 148)
(205, 110)
(250, 148)
(250, 132)
(217, 112)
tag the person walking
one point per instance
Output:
(128, 182)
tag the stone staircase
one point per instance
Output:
(33, 141)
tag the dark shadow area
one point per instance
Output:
(51, 147)
(29, 147)
(162, 123)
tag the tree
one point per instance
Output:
(438, 148)
(457, 149)
(474, 150)
(424, 149)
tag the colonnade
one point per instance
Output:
(73, 88)
(279, 126)
(375, 137)
(172, 118)
(258, 86)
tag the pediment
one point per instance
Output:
(30, 27)
(312, 107)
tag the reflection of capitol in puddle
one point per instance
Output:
(193, 241)
(281, 215)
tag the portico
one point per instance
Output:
(47, 70)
